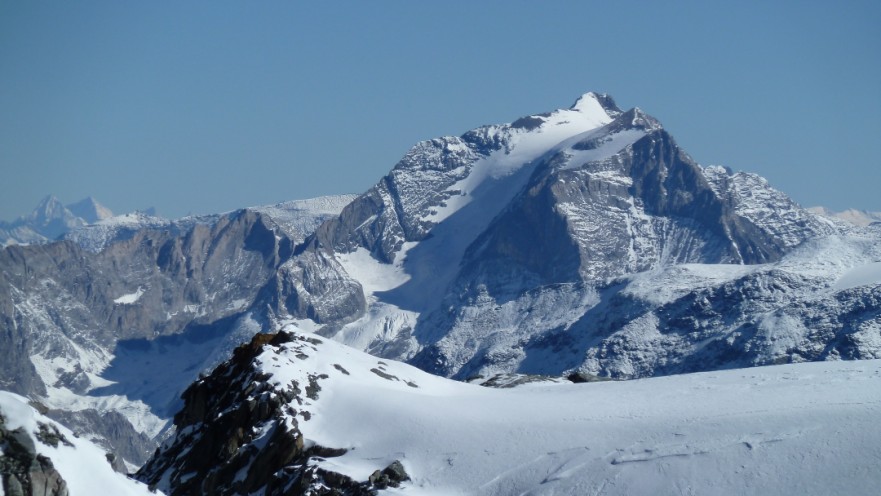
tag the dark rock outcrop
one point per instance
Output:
(238, 434)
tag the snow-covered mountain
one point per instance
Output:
(296, 414)
(50, 220)
(41, 457)
(582, 239)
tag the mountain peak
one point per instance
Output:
(596, 102)
(48, 208)
(90, 210)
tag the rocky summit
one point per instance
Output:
(239, 432)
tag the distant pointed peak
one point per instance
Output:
(48, 207)
(90, 210)
(592, 101)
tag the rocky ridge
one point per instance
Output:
(239, 433)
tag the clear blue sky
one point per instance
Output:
(200, 107)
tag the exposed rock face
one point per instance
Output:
(153, 284)
(112, 430)
(113, 302)
(239, 434)
(314, 286)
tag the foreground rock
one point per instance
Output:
(239, 433)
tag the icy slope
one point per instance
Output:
(300, 218)
(853, 216)
(793, 429)
(39, 456)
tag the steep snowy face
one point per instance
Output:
(624, 199)
(402, 241)
(298, 414)
(474, 175)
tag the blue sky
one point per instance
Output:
(201, 107)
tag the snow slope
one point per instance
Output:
(488, 184)
(792, 429)
(853, 216)
(81, 464)
(299, 218)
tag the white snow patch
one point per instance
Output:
(237, 304)
(668, 283)
(128, 299)
(373, 275)
(611, 145)
(862, 275)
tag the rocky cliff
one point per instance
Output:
(110, 326)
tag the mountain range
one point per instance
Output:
(581, 243)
